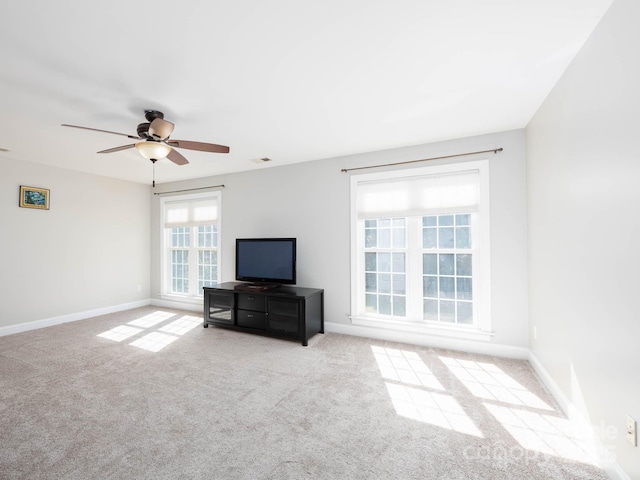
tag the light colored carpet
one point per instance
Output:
(92, 399)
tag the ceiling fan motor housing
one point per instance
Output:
(143, 130)
(151, 115)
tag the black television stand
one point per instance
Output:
(281, 311)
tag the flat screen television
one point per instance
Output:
(266, 260)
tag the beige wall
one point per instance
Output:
(89, 251)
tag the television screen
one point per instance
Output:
(266, 260)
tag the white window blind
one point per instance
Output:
(407, 196)
(203, 211)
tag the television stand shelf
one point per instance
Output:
(283, 311)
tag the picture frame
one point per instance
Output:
(34, 197)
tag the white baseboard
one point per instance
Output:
(606, 460)
(192, 307)
(484, 348)
(72, 317)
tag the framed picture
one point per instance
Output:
(32, 197)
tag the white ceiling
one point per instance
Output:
(291, 80)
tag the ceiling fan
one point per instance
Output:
(154, 142)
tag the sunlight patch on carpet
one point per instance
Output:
(156, 337)
(416, 393)
(433, 408)
(544, 433)
(154, 341)
(489, 382)
(151, 319)
(405, 367)
(182, 325)
(120, 333)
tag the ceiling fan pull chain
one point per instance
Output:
(153, 162)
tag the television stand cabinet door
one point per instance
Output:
(219, 308)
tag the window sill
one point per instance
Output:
(424, 329)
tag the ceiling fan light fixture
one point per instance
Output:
(153, 150)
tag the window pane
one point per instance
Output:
(399, 284)
(399, 238)
(430, 221)
(447, 311)
(465, 313)
(370, 238)
(429, 237)
(370, 262)
(464, 286)
(384, 262)
(463, 237)
(445, 237)
(384, 283)
(445, 220)
(463, 264)
(384, 304)
(430, 287)
(371, 303)
(399, 306)
(384, 237)
(447, 287)
(430, 264)
(398, 262)
(370, 223)
(384, 222)
(446, 264)
(463, 219)
(370, 282)
(430, 309)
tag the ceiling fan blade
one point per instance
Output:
(160, 128)
(200, 146)
(177, 158)
(117, 149)
(103, 131)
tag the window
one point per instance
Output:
(420, 248)
(191, 246)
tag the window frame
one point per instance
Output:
(414, 321)
(194, 295)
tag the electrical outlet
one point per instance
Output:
(632, 435)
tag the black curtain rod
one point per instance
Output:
(495, 150)
(189, 189)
